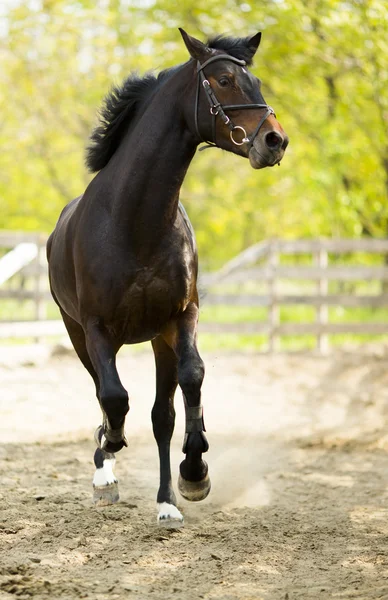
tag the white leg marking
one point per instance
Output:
(105, 475)
(168, 512)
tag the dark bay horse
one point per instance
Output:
(123, 260)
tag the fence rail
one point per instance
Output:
(261, 265)
(257, 277)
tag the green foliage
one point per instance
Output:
(324, 69)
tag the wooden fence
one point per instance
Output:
(29, 284)
(268, 265)
(271, 274)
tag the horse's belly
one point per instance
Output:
(144, 312)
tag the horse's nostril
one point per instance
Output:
(285, 142)
(274, 140)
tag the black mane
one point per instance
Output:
(237, 47)
(123, 103)
(121, 106)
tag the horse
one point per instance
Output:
(123, 261)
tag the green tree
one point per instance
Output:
(324, 70)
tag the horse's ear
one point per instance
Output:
(197, 49)
(253, 43)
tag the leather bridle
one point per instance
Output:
(218, 110)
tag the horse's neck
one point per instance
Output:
(149, 168)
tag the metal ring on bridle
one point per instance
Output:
(245, 138)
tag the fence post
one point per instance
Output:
(322, 315)
(273, 307)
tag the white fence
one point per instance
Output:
(23, 277)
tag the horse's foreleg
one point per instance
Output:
(112, 396)
(105, 484)
(194, 482)
(163, 420)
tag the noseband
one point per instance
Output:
(218, 110)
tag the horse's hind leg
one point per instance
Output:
(105, 485)
(112, 396)
(194, 482)
(163, 419)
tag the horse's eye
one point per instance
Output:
(224, 82)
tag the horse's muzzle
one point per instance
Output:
(268, 150)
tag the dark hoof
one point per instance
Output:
(194, 491)
(106, 495)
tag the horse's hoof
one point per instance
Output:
(194, 491)
(106, 495)
(169, 516)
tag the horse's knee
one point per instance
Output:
(114, 402)
(190, 376)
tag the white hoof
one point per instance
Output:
(169, 515)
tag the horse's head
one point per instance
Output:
(230, 111)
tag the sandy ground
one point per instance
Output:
(299, 467)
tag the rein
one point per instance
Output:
(218, 110)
